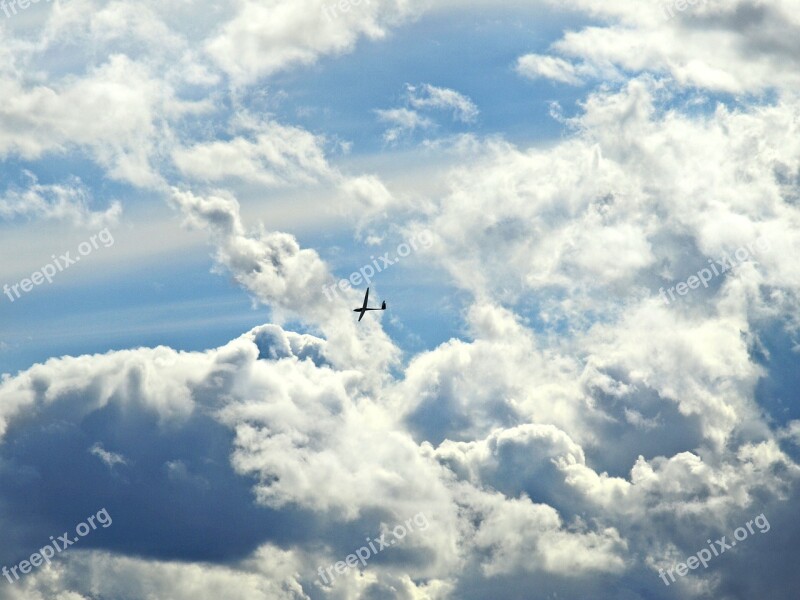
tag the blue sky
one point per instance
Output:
(561, 430)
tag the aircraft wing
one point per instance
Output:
(366, 299)
(363, 310)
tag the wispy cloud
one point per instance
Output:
(429, 96)
(404, 121)
(109, 458)
(548, 67)
(70, 201)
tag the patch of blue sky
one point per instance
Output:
(178, 303)
(424, 314)
(475, 55)
(778, 352)
(423, 309)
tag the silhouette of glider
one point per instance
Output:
(364, 308)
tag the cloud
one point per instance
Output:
(429, 96)
(289, 279)
(272, 155)
(576, 433)
(406, 121)
(719, 46)
(269, 153)
(63, 202)
(264, 418)
(537, 65)
(109, 458)
(116, 113)
(272, 575)
(263, 39)
(515, 531)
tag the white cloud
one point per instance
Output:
(109, 458)
(429, 96)
(268, 153)
(289, 279)
(405, 121)
(273, 576)
(63, 202)
(262, 39)
(117, 112)
(408, 120)
(520, 535)
(581, 432)
(713, 45)
(558, 69)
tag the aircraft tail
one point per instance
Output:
(383, 306)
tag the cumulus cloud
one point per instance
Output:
(263, 39)
(578, 432)
(289, 279)
(559, 440)
(272, 575)
(116, 112)
(735, 47)
(306, 437)
(547, 222)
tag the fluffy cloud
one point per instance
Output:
(736, 47)
(526, 443)
(271, 574)
(116, 112)
(273, 155)
(264, 38)
(290, 280)
(578, 435)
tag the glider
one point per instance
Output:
(364, 308)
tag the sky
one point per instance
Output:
(583, 218)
